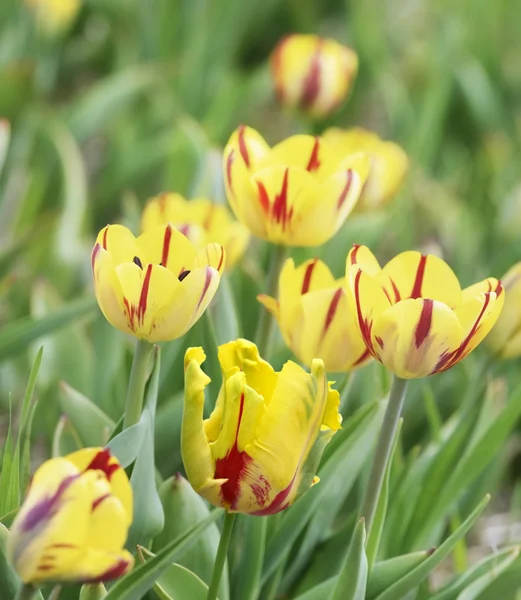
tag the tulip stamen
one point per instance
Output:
(183, 275)
(137, 262)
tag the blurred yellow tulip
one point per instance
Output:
(414, 316)
(260, 448)
(54, 17)
(314, 317)
(505, 337)
(156, 286)
(313, 74)
(200, 220)
(389, 163)
(73, 524)
(298, 193)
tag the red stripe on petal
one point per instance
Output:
(101, 462)
(397, 296)
(229, 162)
(131, 313)
(331, 311)
(206, 286)
(166, 245)
(119, 569)
(424, 324)
(264, 199)
(221, 260)
(98, 501)
(420, 273)
(364, 325)
(142, 306)
(311, 84)
(314, 162)
(345, 191)
(307, 277)
(280, 205)
(95, 251)
(278, 503)
(499, 288)
(364, 356)
(354, 253)
(243, 149)
(105, 237)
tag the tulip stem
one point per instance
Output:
(25, 592)
(383, 451)
(222, 552)
(137, 382)
(266, 322)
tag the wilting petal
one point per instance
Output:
(477, 315)
(168, 247)
(330, 332)
(108, 290)
(101, 459)
(212, 255)
(322, 209)
(99, 565)
(415, 275)
(414, 335)
(197, 457)
(367, 302)
(119, 242)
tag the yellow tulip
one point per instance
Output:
(314, 317)
(156, 286)
(389, 163)
(297, 193)
(259, 449)
(200, 220)
(505, 337)
(414, 316)
(313, 74)
(73, 523)
(54, 16)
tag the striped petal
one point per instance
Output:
(415, 275)
(99, 565)
(330, 332)
(108, 289)
(505, 337)
(212, 255)
(168, 247)
(364, 259)
(165, 208)
(119, 242)
(414, 335)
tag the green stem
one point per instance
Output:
(55, 593)
(383, 451)
(265, 326)
(25, 592)
(222, 552)
(137, 382)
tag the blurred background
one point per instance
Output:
(110, 102)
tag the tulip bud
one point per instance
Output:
(313, 74)
(95, 591)
(184, 509)
(505, 337)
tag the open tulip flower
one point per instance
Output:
(298, 193)
(259, 449)
(413, 315)
(156, 286)
(389, 163)
(313, 74)
(505, 337)
(314, 317)
(73, 524)
(200, 220)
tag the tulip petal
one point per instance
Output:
(477, 315)
(364, 259)
(330, 331)
(415, 275)
(100, 458)
(99, 565)
(108, 524)
(244, 355)
(367, 301)
(168, 247)
(119, 242)
(212, 255)
(411, 337)
(168, 207)
(108, 290)
(505, 337)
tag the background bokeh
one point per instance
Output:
(135, 97)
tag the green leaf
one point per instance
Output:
(351, 448)
(148, 512)
(320, 591)
(137, 583)
(7, 467)
(65, 438)
(482, 573)
(352, 579)
(126, 444)
(16, 336)
(91, 423)
(223, 311)
(177, 582)
(9, 580)
(398, 590)
(387, 572)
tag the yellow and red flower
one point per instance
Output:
(313, 74)
(413, 315)
(314, 317)
(505, 337)
(200, 220)
(260, 448)
(73, 524)
(156, 286)
(389, 163)
(298, 193)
